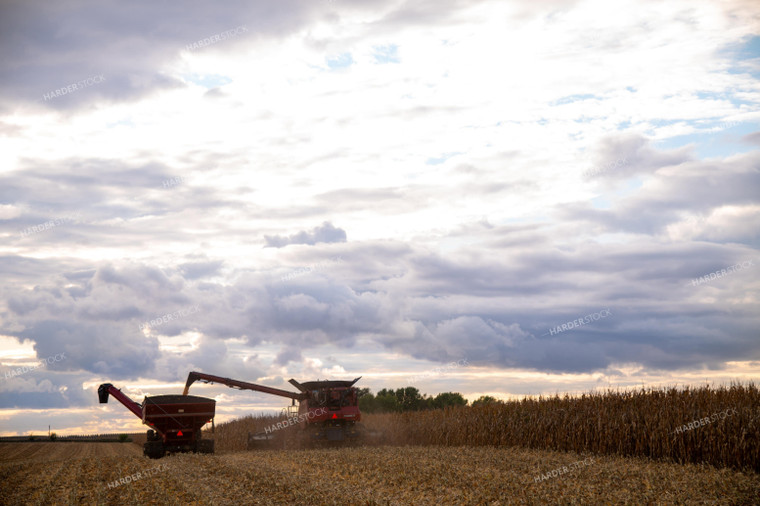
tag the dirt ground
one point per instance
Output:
(106, 473)
(51, 452)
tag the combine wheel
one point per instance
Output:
(154, 449)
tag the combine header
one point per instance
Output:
(327, 410)
(175, 420)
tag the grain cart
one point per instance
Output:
(175, 421)
(327, 410)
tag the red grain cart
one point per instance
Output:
(175, 420)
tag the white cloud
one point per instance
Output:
(452, 179)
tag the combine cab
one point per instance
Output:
(175, 420)
(327, 410)
(337, 403)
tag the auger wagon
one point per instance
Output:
(175, 421)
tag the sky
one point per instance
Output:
(488, 197)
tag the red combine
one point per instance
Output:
(175, 420)
(328, 410)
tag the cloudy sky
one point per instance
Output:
(338, 188)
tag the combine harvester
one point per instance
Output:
(175, 420)
(328, 410)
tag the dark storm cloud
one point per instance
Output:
(44, 389)
(326, 233)
(288, 355)
(18, 269)
(50, 46)
(511, 305)
(98, 201)
(493, 308)
(624, 155)
(676, 186)
(91, 346)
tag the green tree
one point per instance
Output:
(409, 399)
(367, 403)
(486, 399)
(386, 402)
(448, 399)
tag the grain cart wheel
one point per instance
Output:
(154, 449)
(206, 446)
(152, 435)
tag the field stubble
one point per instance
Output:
(374, 475)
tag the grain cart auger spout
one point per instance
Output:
(327, 410)
(175, 421)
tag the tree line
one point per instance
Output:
(410, 399)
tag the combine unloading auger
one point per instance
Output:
(175, 421)
(327, 410)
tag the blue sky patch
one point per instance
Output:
(441, 159)
(720, 138)
(208, 81)
(386, 54)
(341, 61)
(574, 98)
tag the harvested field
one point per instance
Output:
(50, 452)
(385, 475)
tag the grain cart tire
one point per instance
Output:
(154, 449)
(152, 435)
(206, 446)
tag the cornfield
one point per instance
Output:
(636, 423)
(233, 436)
